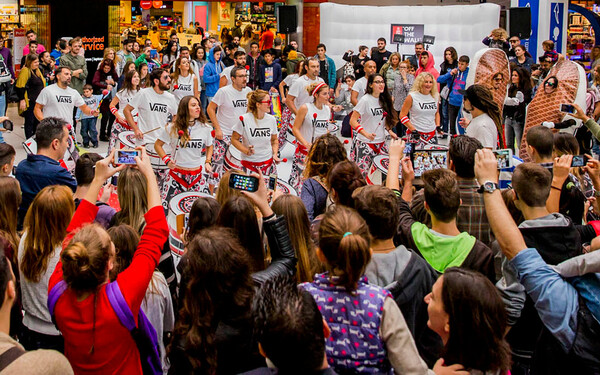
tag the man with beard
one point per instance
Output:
(414, 60)
(380, 55)
(360, 86)
(155, 107)
(59, 100)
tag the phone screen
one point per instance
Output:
(242, 182)
(425, 160)
(272, 182)
(504, 158)
(127, 156)
(567, 108)
(579, 161)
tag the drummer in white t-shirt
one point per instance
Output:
(376, 121)
(232, 103)
(184, 81)
(255, 134)
(297, 96)
(187, 137)
(59, 100)
(239, 60)
(131, 86)
(421, 105)
(360, 86)
(312, 121)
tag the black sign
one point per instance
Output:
(412, 33)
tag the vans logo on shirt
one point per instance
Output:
(320, 124)
(430, 105)
(260, 132)
(239, 103)
(64, 99)
(158, 107)
(376, 111)
(194, 144)
(185, 88)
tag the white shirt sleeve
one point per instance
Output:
(361, 106)
(163, 134)
(77, 99)
(43, 97)
(237, 127)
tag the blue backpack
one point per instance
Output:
(144, 334)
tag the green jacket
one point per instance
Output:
(75, 62)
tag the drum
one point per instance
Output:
(379, 170)
(127, 140)
(179, 210)
(286, 188)
(334, 127)
(68, 161)
(232, 159)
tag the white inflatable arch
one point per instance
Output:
(345, 27)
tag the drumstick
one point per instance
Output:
(244, 136)
(179, 134)
(312, 137)
(150, 131)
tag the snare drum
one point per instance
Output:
(126, 140)
(232, 159)
(286, 188)
(379, 170)
(68, 161)
(334, 127)
(179, 210)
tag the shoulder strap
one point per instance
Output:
(10, 356)
(55, 293)
(120, 306)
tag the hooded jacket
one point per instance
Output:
(430, 67)
(442, 252)
(212, 71)
(458, 82)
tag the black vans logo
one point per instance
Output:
(239, 103)
(377, 111)
(185, 88)
(158, 107)
(198, 145)
(320, 124)
(64, 99)
(260, 132)
(430, 105)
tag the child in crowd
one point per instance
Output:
(368, 332)
(270, 73)
(88, 123)
(456, 80)
(549, 51)
(7, 159)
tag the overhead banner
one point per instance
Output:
(412, 33)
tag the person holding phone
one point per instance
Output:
(376, 121)
(187, 136)
(256, 135)
(312, 120)
(131, 86)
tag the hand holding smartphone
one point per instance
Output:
(504, 158)
(567, 108)
(579, 161)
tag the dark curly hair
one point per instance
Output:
(325, 152)
(220, 289)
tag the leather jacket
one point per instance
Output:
(282, 253)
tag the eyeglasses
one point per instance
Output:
(514, 41)
(498, 79)
(244, 76)
(266, 101)
(378, 82)
(404, 67)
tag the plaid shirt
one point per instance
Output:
(471, 216)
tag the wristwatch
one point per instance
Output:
(487, 187)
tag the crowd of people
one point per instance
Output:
(435, 271)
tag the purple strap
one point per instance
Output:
(55, 293)
(118, 303)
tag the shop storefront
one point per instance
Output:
(138, 18)
(583, 31)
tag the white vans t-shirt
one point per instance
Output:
(125, 96)
(360, 86)
(154, 110)
(483, 129)
(371, 118)
(298, 90)
(422, 113)
(185, 86)
(314, 127)
(258, 134)
(59, 102)
(232, 104)
(188, 155)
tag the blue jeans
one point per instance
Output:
(444, 115)
(513, 131)
(88, 131)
